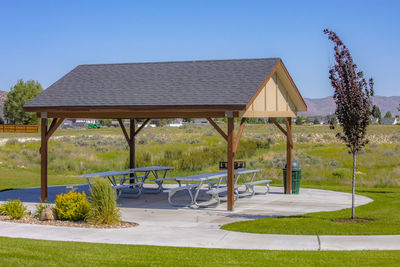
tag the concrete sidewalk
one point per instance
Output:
(197, 237)
(163, 225)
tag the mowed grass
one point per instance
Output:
(383, 215)
(25, 252)
(17, 178)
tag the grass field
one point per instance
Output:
(23, 252)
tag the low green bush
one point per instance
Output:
(14, 209)
(104, 209)
(2, 210)
(73, 206)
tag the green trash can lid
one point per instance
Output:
(295, 166)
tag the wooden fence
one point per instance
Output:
(10, 128)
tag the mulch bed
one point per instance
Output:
(80, 224)
(356, 220)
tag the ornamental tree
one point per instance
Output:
(19, 95)
(352, 95)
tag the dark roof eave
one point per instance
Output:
(135, 108)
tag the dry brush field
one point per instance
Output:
(194, 149)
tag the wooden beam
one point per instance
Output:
(136, 114)
(239, 134)
(121, 124)
(43, 160)
(279, 126)
(221, 132)
(289, 156)
(53, 127)
(132, 148)
(230, 156)
(141, 126)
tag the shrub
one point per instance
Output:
(142, 140)
(389, 153)
(103, 202)
(2, 210)
(278, 161)
(341, 173)
(72, 206)
(13, 155)
(39, 208)
(191, 141)
(14, 209)
(12, 141)
(209, 133)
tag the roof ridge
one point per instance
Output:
(181, 61)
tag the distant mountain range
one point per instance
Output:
(3, 96)
(325, 106)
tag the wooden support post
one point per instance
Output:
(289, 146)
(45, 136)
(132, 147)
(231, 159)
(43, 164)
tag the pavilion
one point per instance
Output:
(243, 88)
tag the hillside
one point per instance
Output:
(326, 105)
(3, 96)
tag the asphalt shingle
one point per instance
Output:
(184, 83)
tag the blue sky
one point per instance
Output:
(43, 40)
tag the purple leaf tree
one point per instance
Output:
(352, 95)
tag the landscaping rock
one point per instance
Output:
(47, 215)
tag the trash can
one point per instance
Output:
(296, 177)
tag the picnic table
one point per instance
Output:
(194, 183)
(139, 176)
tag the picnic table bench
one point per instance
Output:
(194, 183)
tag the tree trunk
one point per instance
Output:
(353, 189)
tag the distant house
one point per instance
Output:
(201, 121)
(373, 119)
(77, 123)
(176, 123)
(390, 121)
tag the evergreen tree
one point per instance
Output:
(377, 114)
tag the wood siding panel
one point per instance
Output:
(273, 101)
(259, 102)
(271, 94)
(281, 97)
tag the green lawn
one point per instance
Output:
(24, 252)
(383, 213)
(23, 178)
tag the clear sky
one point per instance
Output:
(43, 40)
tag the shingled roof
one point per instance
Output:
(186, 83)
